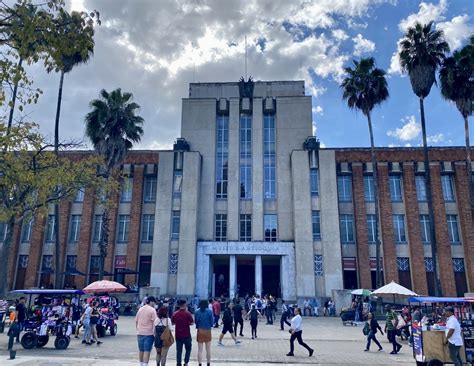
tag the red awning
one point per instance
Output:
(349, 264)
(373, 264)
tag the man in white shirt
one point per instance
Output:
(296, 334)
(453, 336)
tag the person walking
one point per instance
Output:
(86, 323)
(296, 331)
(238, 317)
(373, 326)
(391, 321)
(216, 309)
(453, 336)
(144, 322)
(182, 320)
(94, 319)
(306, 307)
(20, 315)
(227, 327)
(253, 315)
(204, 320)
(284, 315)
(161, 323)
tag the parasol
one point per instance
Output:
(104, 286)
(362, 292)
(394, 289)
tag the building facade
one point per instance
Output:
(247, 202)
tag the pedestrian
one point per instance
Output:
(182, 320)
(86, 323)
(227, 322)
(161, 323)
(238, 317)
(306, 307)
(326, 308)
(145, 324)
(20, 316)
(216, 309)
(204, 320)
(296, 331)
(373, 327)
(253, 315)
(391, 321)
(453, 336)
(94, 319)
(284, 315)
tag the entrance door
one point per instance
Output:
(271, 284)
(245, 276)
(221, 275)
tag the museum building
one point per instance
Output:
(248, 202)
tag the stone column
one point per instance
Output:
(258, 275)
(232, 275)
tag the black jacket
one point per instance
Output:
(374, 325)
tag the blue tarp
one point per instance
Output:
(38, 291)
(431, 299)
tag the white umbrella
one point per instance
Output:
(361, 292)
(394, 288)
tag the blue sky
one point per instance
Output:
(155, 48)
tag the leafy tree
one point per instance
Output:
(365, 87)
(113, 127)
(423, 50)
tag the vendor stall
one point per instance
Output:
(429, 334)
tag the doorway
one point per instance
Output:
(220, 275)
(271, 281)
(245, 275)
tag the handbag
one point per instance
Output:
(366, 329)
(167, 337)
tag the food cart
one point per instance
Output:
(428, 337)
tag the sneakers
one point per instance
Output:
(290, 354)
(393, 353)
(380, 349)
(311, 352)
(220, 344)
(366, 350)
(399, 348)
(84, 341)
(238, 342)
(99, 342)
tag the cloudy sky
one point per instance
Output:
(155, 48)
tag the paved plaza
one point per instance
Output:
(334, 344)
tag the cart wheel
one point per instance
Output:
(419, 363)
(61, 342)
(29, 340)
(42, 341)
(435, 363)
(113, 330)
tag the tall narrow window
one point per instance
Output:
(222, 156)
(245, 156)
(123, 228)
(178, 182)
(314, 181)
(148, 226)
(395, 182)
(221, 227)
(50, 229)
(399, 228)
(344, 188)
(448, 187)
(75, 229)
(127, 187)
(149, 189)
(369, 191)
(269, 156)
(371, 228)
(98, 234)
(3, 231)
(245, 227)
(346, 223)
(79, 195)
(403, 266)
(26, 230)
(425, 229)
(453, 229)
(420, 181)
(316, 221)
(175, 223)
(270, 227)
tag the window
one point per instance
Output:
(245, 227)
(369, 189)
(75, 229)
(458, 265)
(148, 226)
(429, 264)
(425, 229)
(98, 234)
(403, 264)
(222, 156)
(420, 182)
(316, 221)
(26, 230)
(47, 262)
(123, 228)
(178, 182)
(371, 228)
(50, 229)
(23, 261)
(395, 182)
(95, 264)
(173, 270)
(448, 187)
(3, 231)
(270, 227)
(127, 187)
(245, 156)
(149, 192)
(175, 221)
(318, 265)
(269, 156)
(71, 261)
(79, 195)
(346, 223)
(221, 227)
(453, 229)
(314, 181)
(344, 188)
(399, 228)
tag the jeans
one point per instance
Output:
(268, 313)
(305, 310)
(283, 320)
(87, 330)
(297, 336)
(216, 320)
(371, 337)
(21, 323)
(180, 342)
(455, 354)
(392, 338)
(253, 325)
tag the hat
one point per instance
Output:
(151, 299)
(449, 308)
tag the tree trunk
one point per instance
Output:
(378, 274)
(429, 198)
(13, 101)
(5, 256)
(468, 162)
(104, 243)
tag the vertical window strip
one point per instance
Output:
(371, 232)
(420, 182)
(245, 156)
(369, 191)
(425, 229)
(124, 226)
(448, 187)
(453, 229)
(395, 188)
(269, 156)
(245, 227)
(175, 224)
(148, 225)
(270, 224)
(221, 227)
(316, 221)
(97, 237)
(399, 228)
(222, 156)
(344, 188)
(75, 228)
(150, 188)
(314, 181)
(346, 228)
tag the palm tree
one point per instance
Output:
(423, 50)
(363, 89)
(457, 85)
(113, 127)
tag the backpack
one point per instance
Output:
(366, 329)
(258, 304)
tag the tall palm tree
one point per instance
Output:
(363, 89)
(423, 50)
(113, 127)
(457, 85)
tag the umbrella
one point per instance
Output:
(104, 286)
(362, 292)
(394, 289)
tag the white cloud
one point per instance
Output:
(315, 128)
(318, 110)
(339, 34)
(362, 45)
(435, 139)
(428, 12)
(457, 30)
(409, 131)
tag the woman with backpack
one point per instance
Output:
(204, 321)
(370, 330)
(161, 323)
(253, 314)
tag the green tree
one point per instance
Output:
(365, 87)
(113, 127)
(423, 50)
(456, 77)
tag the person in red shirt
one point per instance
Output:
(216, 310)
(182, 320)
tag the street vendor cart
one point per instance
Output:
(429, 336)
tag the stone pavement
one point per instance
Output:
(334, 344)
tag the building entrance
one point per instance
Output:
(271, 281)
(245, 275)
(220, 275)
